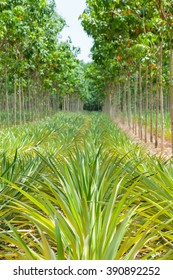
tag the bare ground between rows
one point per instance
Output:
(167, 151)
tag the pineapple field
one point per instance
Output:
(75, 187)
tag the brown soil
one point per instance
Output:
(167, 151)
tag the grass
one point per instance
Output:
(75, 187)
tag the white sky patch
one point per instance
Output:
(70, 11)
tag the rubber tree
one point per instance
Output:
(29, 46)
(118, 29)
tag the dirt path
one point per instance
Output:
(167, 152)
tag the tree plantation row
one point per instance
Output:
(37, 68)
(133, 54)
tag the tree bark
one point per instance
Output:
(161, 96)
(135, 102)
(146, 106)
(157, 111)
(151, 107)
(129, 103)
(124, 103)
(7, 96)
(15, 100)
(20, 102)
(140, 104)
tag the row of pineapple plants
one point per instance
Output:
(75, 187)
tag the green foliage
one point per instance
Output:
(34, 63)
(94, 98)
(126, 33)
(81, 189)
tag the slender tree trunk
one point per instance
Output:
(114, 101)
(119, 100)
(35, 97)
(124, 103)
(7, 96)
(68, 103)
(23, 101)
(20, 102)
(161, 96)
(146, 106)
(57, 101)
(42, 102)
(151, 107)
(15, 101)
(135, 102)
(157, 110)
(29, 99)
(167, 103)
(129, 103)
(140, 104)
(48, 102)
(64, 101)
